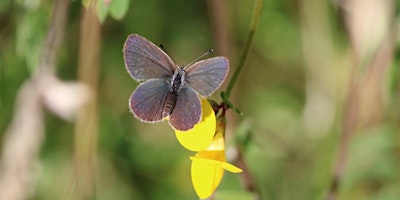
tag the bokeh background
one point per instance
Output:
(319, 92)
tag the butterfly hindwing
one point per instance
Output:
(144, 60)
(148, 99)
(187, 110)
(207, 75)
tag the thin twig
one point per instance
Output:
(375, 67)
(247, 179)
(350, 119)
(258, 7)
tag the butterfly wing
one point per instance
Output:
(148, 100)
(144, 60)
(207, 75)
(187, 110)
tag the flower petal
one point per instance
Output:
(205, 177)
(227, 166)
(231, 168)
(207, 171)
(200, 136)
(217, 143)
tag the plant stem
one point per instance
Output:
(253, 25)
(86, 129)
(219, 16)
(350, 120)
(247, 179)
(24, 136)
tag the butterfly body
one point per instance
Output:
(167, 90)
(178, 80)
(176, 84)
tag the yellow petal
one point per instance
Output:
(217, 143)
(207, 171)
(205, 177)
(218, 155)
(200, 136)
(229, 167)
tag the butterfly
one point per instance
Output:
(167, 90)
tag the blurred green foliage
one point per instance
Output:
(286, 159)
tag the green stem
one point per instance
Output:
(253, 25)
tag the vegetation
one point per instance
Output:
(318, 87)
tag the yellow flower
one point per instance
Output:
(209, 163)
(200, 136)
(208, 167)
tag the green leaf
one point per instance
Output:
(119, 8)
(85, 3)
(102, 10)
(230, 105)
(30, 32)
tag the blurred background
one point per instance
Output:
(319, 92)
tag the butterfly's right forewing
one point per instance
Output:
(207, 75)
(144, 60)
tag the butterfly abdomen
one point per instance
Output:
(169, 105)
(177, 82)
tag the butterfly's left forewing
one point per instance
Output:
(207, 75)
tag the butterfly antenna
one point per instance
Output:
(198, 58)
(162, 48)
